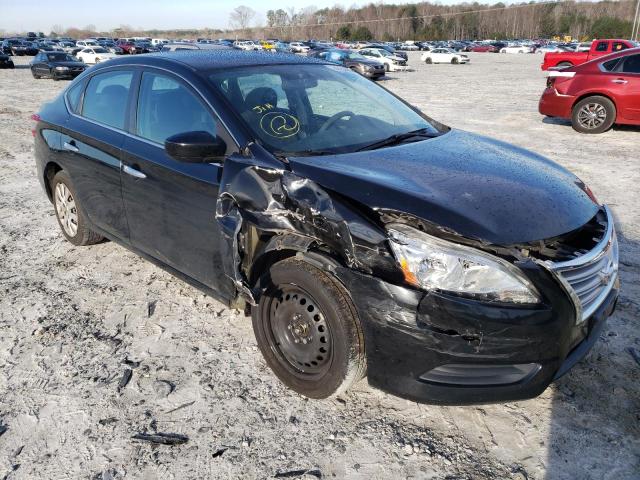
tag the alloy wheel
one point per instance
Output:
(592, 115)
(66, 209)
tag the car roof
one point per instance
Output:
(212, 60)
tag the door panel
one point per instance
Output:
(172, 211)
(171, 205)
(92, 154)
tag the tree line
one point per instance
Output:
(418, 21)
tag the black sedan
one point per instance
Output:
(363, 237)
(56, 65)
(5, 61)
(19, 48)
(358, 63)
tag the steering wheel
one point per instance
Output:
(334, 118)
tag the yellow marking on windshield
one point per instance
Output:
(279, 124)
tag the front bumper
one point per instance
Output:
(409, 333)
(553, 104)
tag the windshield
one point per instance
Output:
(59, 57)
(307, 109)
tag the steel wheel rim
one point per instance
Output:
(299, 333)
(592, 115)
(66, 210)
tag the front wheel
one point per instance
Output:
(69, 213)
(455, 60)
(593, 115)
(428, 61)
(308, 330)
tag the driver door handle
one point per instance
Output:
(133, 172)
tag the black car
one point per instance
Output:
(5, 61)
(56, 65)
(358, 63)
(18, 48)
(362, 236)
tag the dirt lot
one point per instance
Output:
(73, 320)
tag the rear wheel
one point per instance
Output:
(428, 61)
(308, 330)
(593, 115)
(71, 217)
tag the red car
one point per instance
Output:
(596, 94)
(599, 48)
(484, 48)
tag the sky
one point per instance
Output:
(41, 15)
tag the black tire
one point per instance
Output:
(594, 114)
(303, 304)
(428, 61)
(564, 65)
(455, 60)
(35, 75)
(387, 68)
(83, 235)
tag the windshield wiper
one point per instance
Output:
(399, 138)
(305, 153)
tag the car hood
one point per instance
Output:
(478, 187)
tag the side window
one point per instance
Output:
(617, 46)
(602, 47)
(632, 64)
(166, 107)
(611, 65)
(335, 57)
(251, 86)
(73, 96)
(105, 99)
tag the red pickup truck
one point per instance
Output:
(598, 49)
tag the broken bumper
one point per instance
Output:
(437, 348)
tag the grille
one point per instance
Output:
(590, 277)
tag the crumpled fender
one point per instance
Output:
(263, 206)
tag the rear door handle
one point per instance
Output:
(620, 81)
(71, 146)
(133, 172)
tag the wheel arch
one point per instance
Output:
(50, 171)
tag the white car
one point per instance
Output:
(94, 55)
(516, 49)
(247, 45)
(298, 47)
(87, 44)
(391, 62)
(158, 42)
(444, 55)
(409, 46)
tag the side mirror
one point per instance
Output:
(195, 147)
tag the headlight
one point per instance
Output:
(435, 264)
(62, 68)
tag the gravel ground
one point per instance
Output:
(74, 321)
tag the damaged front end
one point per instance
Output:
(265, 210)
(422, 343)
